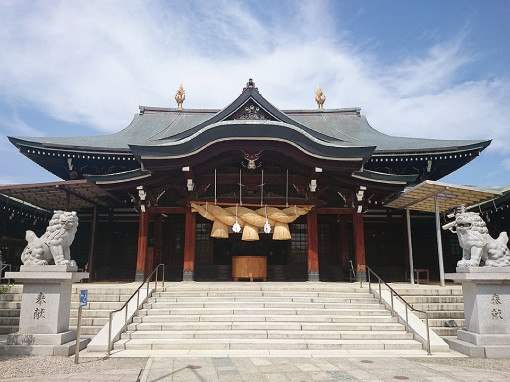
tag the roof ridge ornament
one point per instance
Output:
(251, 112)
(250, 84)
(320, 98)
(180, 96)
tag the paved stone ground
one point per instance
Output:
(326, 369)
(162, 369)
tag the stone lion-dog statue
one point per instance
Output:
(54, 243)
(479, 248)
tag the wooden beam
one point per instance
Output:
(166, 210)
(335, 211)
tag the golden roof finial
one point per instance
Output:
(320, 98)
(180, 97)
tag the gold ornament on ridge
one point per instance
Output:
(320, 98)
(180, 97)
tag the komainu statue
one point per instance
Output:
(479, 248)
(54, 243)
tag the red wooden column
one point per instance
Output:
(344, 242)
(359, 240)
(143, 230)
(313, 254)
(189, 246)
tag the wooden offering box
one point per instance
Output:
(249, 267)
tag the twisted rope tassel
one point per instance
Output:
(250, 220)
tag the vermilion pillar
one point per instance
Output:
(143, 230)
(189, 246)
(359, 240)
(313, 255)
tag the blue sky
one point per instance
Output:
(433, 69)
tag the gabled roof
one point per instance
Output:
(250, 96)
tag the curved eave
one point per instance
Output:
(256, 97)
(383, 178)
(253, 131)
(121, 177)
(18, 142)
(475, 145)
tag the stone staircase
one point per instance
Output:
(103, 298)
(444, 305)
(272, 317)
(10, 305)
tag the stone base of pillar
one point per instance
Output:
(188, 276)
(45, 311)
(140, 276)
(313, 276)
(481, 345)
(486, 293)
(60, 344)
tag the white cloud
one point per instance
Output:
(94, 62)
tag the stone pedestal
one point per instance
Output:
(45, 310)
(486, 292)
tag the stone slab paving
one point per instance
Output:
(322, 369)
(267, 369)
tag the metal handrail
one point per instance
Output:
(4, 266)
(394, 293)
(137, 293)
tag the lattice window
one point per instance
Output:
(299, 243)
(203, 243)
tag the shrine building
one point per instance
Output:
(196, 189)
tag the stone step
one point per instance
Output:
(273, 334)
(440, 322)
(455, 307)
(427, 291)
(4, 297)
(445, 332)
(91, 313)
(10, 305)
(433, 299)
(155, 326)
(235, 293)
(93, 297)
(254, 305)
(442, 314)
(9, 321)
(257, 299)
(98, 305)
(10, 313)
(104, 291)
(87, 330)
(378, 310)
(243, 296)
(89, 321)
(7, 329)
(264, 344)
(145, 314)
